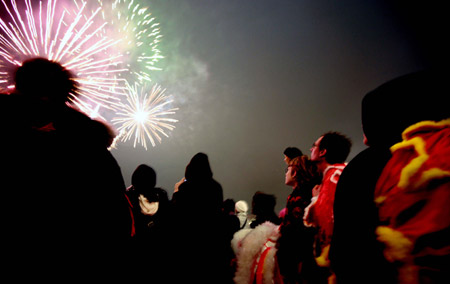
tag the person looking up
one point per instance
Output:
(295, 245)
(329, 153)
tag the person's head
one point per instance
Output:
(332, 148)
(143, 178)
(198, 168)
(393, 106)
(263, 203)
(45, 80)
(301, 170)
(290, 153)
(241, 206)
(228, 206)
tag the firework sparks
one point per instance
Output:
(105, 46)
(140, 34)
(144, 116)
(70, 35)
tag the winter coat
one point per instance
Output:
(413, 196)
(199, 234)
(255, 252)
(356, 218)
(319, 213)
(67, 190)
(295, 245)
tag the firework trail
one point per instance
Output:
(145, 115)
(68, 33)
(139, 33)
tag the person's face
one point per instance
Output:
(315, 152)
(289, 178)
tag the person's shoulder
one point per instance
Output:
(367, 158)
(162, 192)
(216, 183)
(99, 132)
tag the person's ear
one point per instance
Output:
(293, 173)
(322, 152)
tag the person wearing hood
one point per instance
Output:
(365, 224)
(199, 188)
(200, 240)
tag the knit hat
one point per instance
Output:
(241, 206)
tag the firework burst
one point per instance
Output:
(139, 33)
(110, 47)
(68, 33)
(144, 116)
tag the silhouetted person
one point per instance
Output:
(200, 241)
(65, 203)
(263, 207)
(229, 217)
(151, 212)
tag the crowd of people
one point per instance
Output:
(383, 217)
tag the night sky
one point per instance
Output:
(252, 77)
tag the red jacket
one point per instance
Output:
(319, 213)
(413, 197)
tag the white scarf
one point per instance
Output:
(148, 208)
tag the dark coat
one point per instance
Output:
(295, 245)
(355, 255)
(200, 242)
(66, 192)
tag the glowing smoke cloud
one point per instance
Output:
(70, 35)
(139, 33)
(144, 115)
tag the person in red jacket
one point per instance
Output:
(329, 152)
(391, 212)
(413, 196)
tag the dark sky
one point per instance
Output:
(251, 78)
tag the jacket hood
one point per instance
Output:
(198, 168)
(392, 107)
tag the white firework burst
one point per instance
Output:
(144, 116)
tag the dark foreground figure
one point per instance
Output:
(64, 213)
